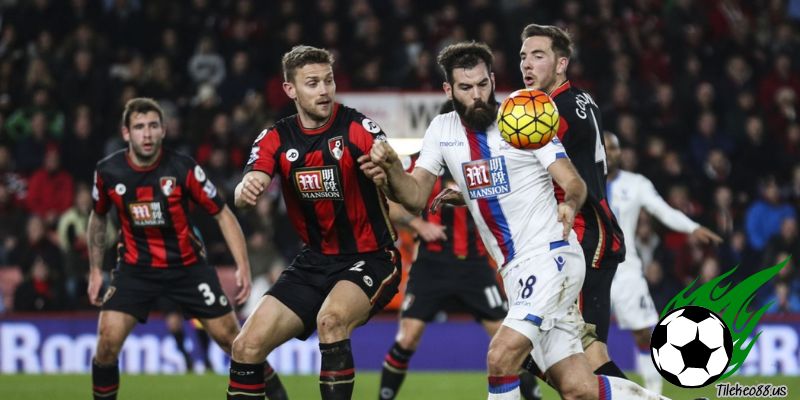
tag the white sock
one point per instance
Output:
(613, 388)
(645, 368)
(504, 388)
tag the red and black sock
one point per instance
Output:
(246, 381)
(338, 374)
(274, 388)
(395, 366)
(105, 381)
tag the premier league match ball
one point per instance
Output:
(691, 347)
(528, 119)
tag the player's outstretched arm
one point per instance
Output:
(565, 175)
(673, 218)
(410, 190)
(247, 191)
(234, 238)
(96, 234)
(427, 231)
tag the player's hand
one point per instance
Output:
(243, 283)
(706, 236)
(451, 196)
(95, 283)
(566, 215)
(384, 155)
(252, 187)
(427, 231)
(373, 171)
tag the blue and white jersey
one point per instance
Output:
(508, 191)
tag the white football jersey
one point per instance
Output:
(627, 194)
(508, 191)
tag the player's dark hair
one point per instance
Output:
(302, 55)
(464, 55)
(561, 42)
(141, 105)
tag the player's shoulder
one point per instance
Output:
(444, 123)
(349, 115)
(573, 102)
(633, 179)
(112, 158)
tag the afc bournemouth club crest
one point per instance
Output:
(167, 184)
(336, 147)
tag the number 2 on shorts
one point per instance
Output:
(527, 287)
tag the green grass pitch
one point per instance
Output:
(418, 385)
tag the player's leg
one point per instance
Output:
(362, 286)
(595, 300)
(270, 325)
(573, 378)
(395, 364)
(204, 342)
(506, 351)
(426, 290)
(635, 311)
(128, 299)
(173, 318)
(644, 362)
(112, 329)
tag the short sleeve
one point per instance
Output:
(263, 154)
(100, 198)
(203, 191)
(550, 152)
(430, 157)
(363, 132)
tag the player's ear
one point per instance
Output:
(290, 90)
(491, 76)
(126, 134)
(448, 90)
(561, 68)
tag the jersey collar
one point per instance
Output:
(150, 167)
(561, 89)
(324, 126)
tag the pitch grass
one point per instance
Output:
(418, 385)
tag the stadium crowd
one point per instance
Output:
(702, 94)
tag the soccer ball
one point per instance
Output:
(528, 119)
(691, 347)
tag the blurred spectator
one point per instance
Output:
(787, 241)
(30, 150)
(765, 215)
(206, 65)
(12, 217)
(50, 188)
(15, 183)
(37, 244)
(40, 291)
(72, 239)
(82, 146)
(783, 300)
(239, 80)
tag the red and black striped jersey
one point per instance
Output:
(334, 207)
(153, 207)
(463, 239)
(580, 131)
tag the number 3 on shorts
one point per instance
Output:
(208, 295)
(527, 287)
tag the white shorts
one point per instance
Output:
(542, 291)
(631, 302)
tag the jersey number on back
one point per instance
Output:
(599, 149)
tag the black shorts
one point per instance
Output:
(453, 285)
(306, 283)
(194, 289)
(595, 299)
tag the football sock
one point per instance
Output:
(529, 387)
(610, 369)
(395, 366)
(273, 386)
(180, 337)
(105, 381)
(504, 387)
(611, 387)
(338, 374)
(246, 381)
(645, 368)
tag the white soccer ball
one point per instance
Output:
(691, 347)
